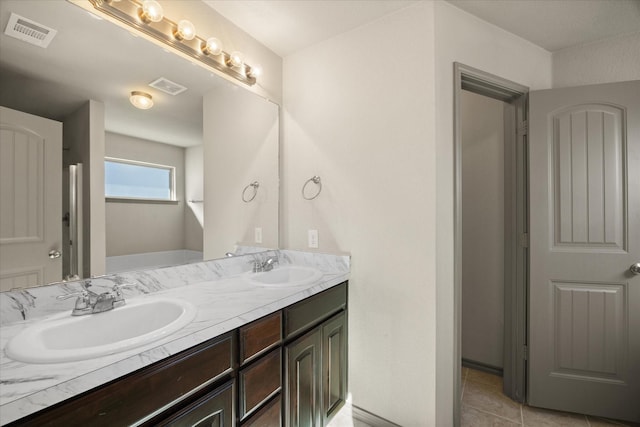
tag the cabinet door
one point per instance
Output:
(302, 399)
(214, 409)
(334, 365)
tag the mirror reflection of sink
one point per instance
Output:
(66, 338)
(286, 275)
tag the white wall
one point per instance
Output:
(482, 229)
(133, 228)
(612, 60)
(464, 38)
(194, 190)
(84, 134)
(240, 146)
(359, 112)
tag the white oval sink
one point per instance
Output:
(287, 275)
(66, 338)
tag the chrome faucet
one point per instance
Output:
(89, 302)
(267, 265)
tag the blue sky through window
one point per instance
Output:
(137, 181)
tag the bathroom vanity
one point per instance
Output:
(284, 362)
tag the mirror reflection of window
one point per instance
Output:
(129, 179)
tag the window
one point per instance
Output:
(128, 179)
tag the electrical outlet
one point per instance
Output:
(313, 238)
(258, 235)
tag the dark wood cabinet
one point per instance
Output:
(304, 315)
(259, 382)
(287, 368)
(260, 373)
(334, 365)
(269, 416)
(303, 380)
(316, 362)
(215, 409)
(260, 336)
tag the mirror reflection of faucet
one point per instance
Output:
(89, 302)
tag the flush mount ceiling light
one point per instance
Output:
(141, 100)
(147, 17)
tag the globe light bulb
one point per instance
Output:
(236, 59)
(256, 71)
(213, 46)
(151, 11)
(185, 31)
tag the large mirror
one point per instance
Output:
(83, 80)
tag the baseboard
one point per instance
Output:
(370, 419)
(479, 366)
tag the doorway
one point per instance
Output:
(483, 230)
(513, 98)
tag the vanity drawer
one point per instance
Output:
(259, 336)
(305, 314)
(136, 396)
(213, 409)
(269, 416)
(260, 381)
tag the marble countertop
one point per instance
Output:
(225, 301)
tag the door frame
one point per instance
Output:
(516, 226)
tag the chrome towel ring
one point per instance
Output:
(316, 180)
(246, 198)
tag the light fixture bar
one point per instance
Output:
(127, 12)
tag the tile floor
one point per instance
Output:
(484, 404)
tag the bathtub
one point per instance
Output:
(120, 263)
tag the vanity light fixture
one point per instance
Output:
(147, 17)
(141, 100)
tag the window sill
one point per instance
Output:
(145, 201)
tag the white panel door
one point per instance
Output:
(30, 199)
(584, 318)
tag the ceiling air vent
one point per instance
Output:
(167, 86)
(29, 31)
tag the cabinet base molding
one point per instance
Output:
(370, 419)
